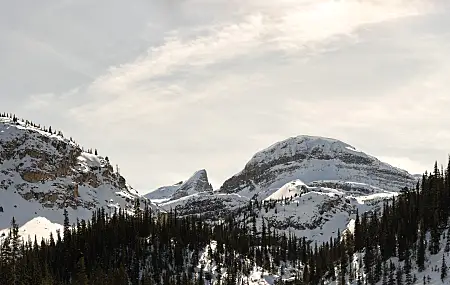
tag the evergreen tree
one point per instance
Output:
(443, 269)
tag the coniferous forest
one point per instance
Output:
(146, 248)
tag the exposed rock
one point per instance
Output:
(198, 183)
(36, 176)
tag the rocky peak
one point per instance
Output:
(310, 159)
(196, 184)
(302, 147)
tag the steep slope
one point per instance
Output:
(197, 183)
(42, 173)
(316, 213)
(292, 189)
(313, 159)
(164, 192)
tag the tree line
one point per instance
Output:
(148, 248)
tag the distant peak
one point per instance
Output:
(198, 175)
(309, 140)
(303, 144)
(197, 183)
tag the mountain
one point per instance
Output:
(313, 159)
(308, 210)
(42, 173)
(164, 192)
(197, 183)
(406, 243)
(310, 186)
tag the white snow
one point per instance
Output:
(39, 227)
(320, 159)
(296, 187)
(162, 193)
(433, 265)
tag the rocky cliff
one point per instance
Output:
(42, 172)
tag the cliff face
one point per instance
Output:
(41, 173)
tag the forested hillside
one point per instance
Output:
(164, 249)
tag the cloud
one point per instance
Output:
(210, 93)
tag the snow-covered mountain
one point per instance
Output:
(311, 186)
(42, 173)
(197, 183)
(164, 192)
(311, 159)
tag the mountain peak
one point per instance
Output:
(303, 144)
(197, 183)
(311, 159)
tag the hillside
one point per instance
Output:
(42, 173)
(397, 244)
(312, 159)
(342, 217)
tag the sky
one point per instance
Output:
(168, 87)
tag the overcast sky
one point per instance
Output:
(167, 87)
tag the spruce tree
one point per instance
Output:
(443, 269)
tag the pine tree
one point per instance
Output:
(15, 250)
(447, 244)
(421, 252)
(81, 276)
(443, 269)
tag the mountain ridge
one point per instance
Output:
(310, 158)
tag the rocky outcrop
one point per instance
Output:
(35, 176)
(198, 183)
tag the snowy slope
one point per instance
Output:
(431, 273)
(310, 159)
(38, 227)
(42, 173)
(164, 192)
(316, 213)
(289, 190)
(197, 183)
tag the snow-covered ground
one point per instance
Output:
(38, 227)
(431, 273)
